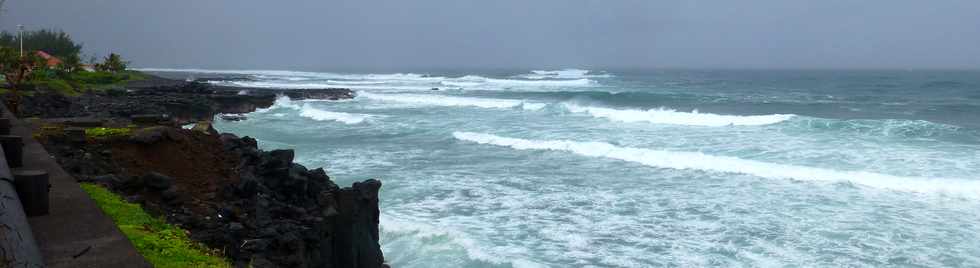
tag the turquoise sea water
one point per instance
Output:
(577, 168)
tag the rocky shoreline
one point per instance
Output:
(182, 101)
(259, 208)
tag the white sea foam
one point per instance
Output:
(472, 247)
(475, 81)
(563, 74)
(669, 116)
(355, 82)
(282, 102)
(409, 81)
(310, 112)
(533, 106)
(316, 85)
(443, 100)
(726, 164)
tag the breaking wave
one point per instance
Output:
(474, 81)
(564, 74)
(310, 112)
(674, 117)
(726, 164)
(282, 102)
(402, 81)
(442, 100)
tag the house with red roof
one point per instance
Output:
(51, 61)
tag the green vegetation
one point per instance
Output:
(56, 85)
(105, 132)
(69, 77)
(95, 79)
(161, 244)
(112, 63)
(54, 42)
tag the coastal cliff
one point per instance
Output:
(257, 207)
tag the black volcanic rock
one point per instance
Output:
(183, 101)
(267, 211)
(157, 181)
(296, 217)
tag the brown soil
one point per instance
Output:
(197, 162)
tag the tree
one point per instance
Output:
(16, 70)
(54, 42)
(70, 64)
(112, 63)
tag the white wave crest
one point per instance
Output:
(442, 100)
(669, 116)
(563, 74)
(355, 82)
(310, 112)
(282, 102)
(726, 164)
(315, 85)
(475, 81)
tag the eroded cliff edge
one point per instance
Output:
(259, 208)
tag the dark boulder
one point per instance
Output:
(157, 181)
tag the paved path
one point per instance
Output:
(75, 223)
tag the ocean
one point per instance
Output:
(678, 168)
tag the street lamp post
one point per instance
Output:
(20, 34)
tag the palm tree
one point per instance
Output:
(113, 63)
(71, 63)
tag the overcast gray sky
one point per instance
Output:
(406, 35)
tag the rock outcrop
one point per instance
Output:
(183, 101)
(258, 207)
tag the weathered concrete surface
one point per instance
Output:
(76, 233)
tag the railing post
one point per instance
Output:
(5, 126)
(13, 147)
(17, 245)
(32, 187)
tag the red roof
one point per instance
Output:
(52, 61)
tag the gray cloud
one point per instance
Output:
(400, 35)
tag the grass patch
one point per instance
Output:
(76, 83)
(57, 85)
(107, 132)
(162, 244)
(99, 81)
(105, 78)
